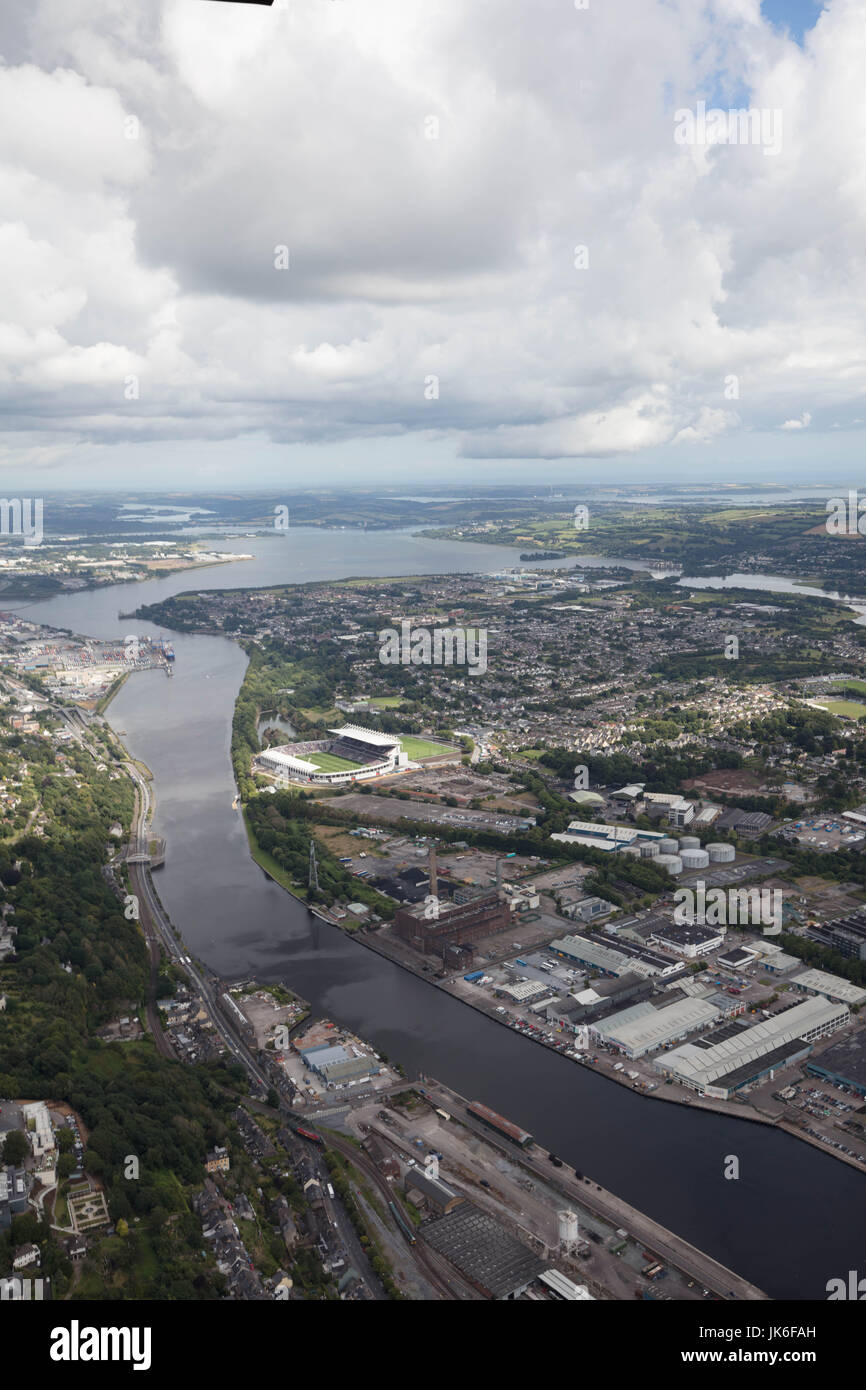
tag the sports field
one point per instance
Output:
(418, 748)
(847, 709)
(328, 762)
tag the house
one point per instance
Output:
(25, 1255)
(217, 1160)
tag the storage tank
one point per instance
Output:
(721, 854)
(668, 845)
(695, 859)
(567, 1228)
(633, 851)
(671, 862)
(690, 842)
(649, 850)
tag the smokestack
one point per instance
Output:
(499, 875)
(434, 882)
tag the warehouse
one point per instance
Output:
(843, 1064)
(687, 940)
(608, 960)
(643, 1028)
(484, 1252)
(429, 1189)
(718, 1069)
(605, 837)
(830, 986)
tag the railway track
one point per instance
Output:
(420, 1254)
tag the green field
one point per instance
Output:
(845, 708)
(418, 748)
(859, 686)
(394, 701)
(328, 762)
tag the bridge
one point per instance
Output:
(144, 850)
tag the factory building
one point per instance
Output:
(743, 1055)
(644, 1028)
(334, 1064)
(456, 925)
(604, 837)
(484, 1252)
(622, 959)
(689, 941)
(429, 1189)
(830, 986)
(843, 1064)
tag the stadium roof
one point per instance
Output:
(287, 760)
(371, 736)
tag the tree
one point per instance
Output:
(65, 1165)
(16, 1147)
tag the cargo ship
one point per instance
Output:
(168, 651)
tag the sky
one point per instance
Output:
(333, 242)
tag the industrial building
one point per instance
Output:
(846, 935)
(843, 1064)
(741, 1055)
(605, 837)
(622, 959)
(455, 925)
(830, 986)
(599, 1000)
(334, 1064)
(644, 1028)
(484, 1252)
(429, 1189)
(687, 940)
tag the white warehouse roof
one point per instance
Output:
(702, 1065)
(831, 986)
(644, 1028)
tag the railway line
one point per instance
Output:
(421, 1254)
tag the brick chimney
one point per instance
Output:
(434, 882)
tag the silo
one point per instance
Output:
(690, 842)
(567, 1228)
(695, 859)
(649, 849)
(668, 845)
(721, 854)
(671, 862)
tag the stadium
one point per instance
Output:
(352, 754)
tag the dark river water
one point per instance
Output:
(792, 1221)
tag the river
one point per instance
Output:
(665, 1159)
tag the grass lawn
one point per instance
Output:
(395, 701)
(845, 708)
(328, 762)
(422, 748)
(859, 686)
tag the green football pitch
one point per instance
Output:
(418, 748)
(328, 762)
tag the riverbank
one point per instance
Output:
(736, 1110)
(584, 1191)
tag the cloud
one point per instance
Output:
(166, 152)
